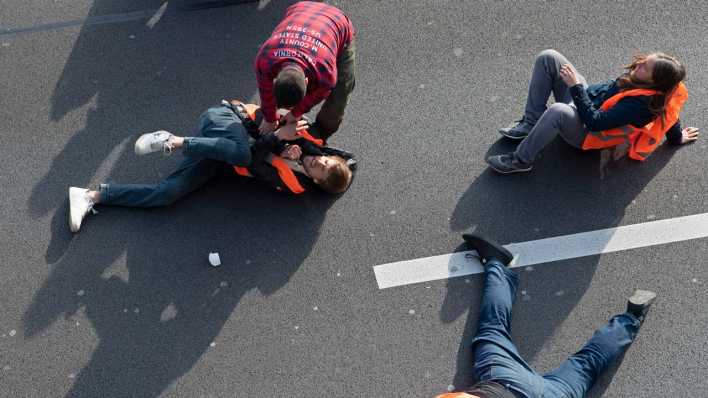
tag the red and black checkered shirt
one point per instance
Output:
(311, 35)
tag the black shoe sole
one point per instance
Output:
(509, 171)
(512, 137)
(488, 249)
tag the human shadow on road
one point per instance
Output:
(566, 193)
(129, 78)
(155, 319)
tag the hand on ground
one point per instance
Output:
(689, 134)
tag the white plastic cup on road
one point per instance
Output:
(214, 259)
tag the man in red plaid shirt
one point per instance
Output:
(308, 58)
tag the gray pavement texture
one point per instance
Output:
(130, 307)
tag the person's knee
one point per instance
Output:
(206, 119)
(331, 116)
(218, 117)
(329, 126)
(560, 110)
(548, 54)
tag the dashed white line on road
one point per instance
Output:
(546, 250)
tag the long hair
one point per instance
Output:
(668, 73)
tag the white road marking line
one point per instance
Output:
(546, 250)
(156, 17)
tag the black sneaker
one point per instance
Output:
(488, 249)
(638, 305)
(518, 131)
(508, 163)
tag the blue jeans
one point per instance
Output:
(224, 143)
(497, 358)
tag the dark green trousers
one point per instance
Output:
(331, 114)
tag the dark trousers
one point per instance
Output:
(224, 142)
(561, 118)
(330, 116)
(497, 358)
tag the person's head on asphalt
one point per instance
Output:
(331, 173)
(289, 86)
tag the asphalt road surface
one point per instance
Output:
(129, 307)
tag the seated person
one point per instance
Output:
(634, 113)
(288, 158)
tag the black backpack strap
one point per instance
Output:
(249, 124)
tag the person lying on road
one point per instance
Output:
(498, 365)
(288, 158)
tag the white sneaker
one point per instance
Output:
(79, 206)
(153, 142)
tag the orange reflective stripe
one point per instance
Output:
(287, 175)
(612, 101)
(454, 395)
(643, 140)
(306, 135)
(242, 171)
(652, 135)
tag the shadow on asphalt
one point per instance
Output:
(565, 193)
(155, 320)
(181, 302)
(137, 79)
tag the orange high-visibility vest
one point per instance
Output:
(453, 395)
(642, 140)
(286, 174)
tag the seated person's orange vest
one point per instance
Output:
(642, 140)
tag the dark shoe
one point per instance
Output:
(488, 250)
(508, 163)
(517, 132)
(638, 305)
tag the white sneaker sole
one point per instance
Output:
(76, 196)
